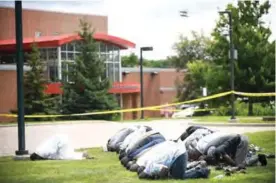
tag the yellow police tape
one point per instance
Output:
(255, 94)
(148, 108)
(178, 110)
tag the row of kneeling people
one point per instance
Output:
(146, 151)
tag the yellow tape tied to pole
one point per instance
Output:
(147, 108)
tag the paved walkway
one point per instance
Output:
(96, 134)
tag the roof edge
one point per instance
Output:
(58, 40)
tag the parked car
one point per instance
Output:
(186, 111)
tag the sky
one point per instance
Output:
(155, 23)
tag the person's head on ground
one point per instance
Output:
(193, 154)
(122, 154)
(213, 156)
(262, 159)
(140, 169)
(125, 160)
(143, 175)
(129, 164)
(164, 173)
(35, 156)
(134, 167)
(210, 160)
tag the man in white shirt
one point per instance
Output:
(169, 160)
(57, 147)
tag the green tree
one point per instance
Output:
(255, 67)
(165, 63)
(88, 87)
(130, 61)
(36, 101)
(192, 54)
(194, 80)
(190, 49)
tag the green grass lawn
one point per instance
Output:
(106, 168)
(224, 119)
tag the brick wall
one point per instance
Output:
(153, 93)
(46, 22)
(8, 93)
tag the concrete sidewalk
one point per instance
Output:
(88, 134)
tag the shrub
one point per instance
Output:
(259, 109)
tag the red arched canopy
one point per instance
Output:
(58, 40)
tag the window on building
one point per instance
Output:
(70, 47)
(110, 70)
(53, 73)
(102, 48)
(70, 56)
(52, 53)
(71, 70)
(117, 72)
(108, 53)
(43, 54)
(68, 68)
(7, 59)
(63, 55)
(49, 57)
(64, 72)
(64, 47)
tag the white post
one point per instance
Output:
(59, 70)
(120, 80)
(59, 63)
(204, 92)
(48, 65)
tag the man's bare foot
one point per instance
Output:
(86, 155)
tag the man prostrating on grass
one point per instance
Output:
(57, 148)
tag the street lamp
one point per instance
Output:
(183, 13)
(232, 62)
(20, 92)
(141, 78)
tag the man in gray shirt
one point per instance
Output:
(229, 148)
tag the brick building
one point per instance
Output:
(159, 88)
(55, 35)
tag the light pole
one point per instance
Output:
(141, 78)
(231, 62)
(184, 13)
(20, 92)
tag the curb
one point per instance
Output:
(57, 123)
(234, 124)
(74, 122)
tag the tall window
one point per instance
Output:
(49, 57)
(110, 55)
(69, 54)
